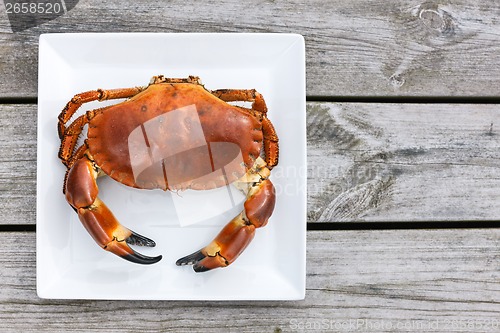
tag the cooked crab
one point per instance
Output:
(173, 134)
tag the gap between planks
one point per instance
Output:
(332, 226)
(340, 99)
(405, 99)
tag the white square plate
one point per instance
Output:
(71, 266)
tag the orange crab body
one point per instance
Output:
(154, 123)
(172, 135)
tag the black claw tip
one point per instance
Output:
(141, 259)
(191, 259)
(200, 268)
(136, 239)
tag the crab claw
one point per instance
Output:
(224, 249)
(122, 249)
(139, 240)
(112, 236)
(127, 253)
(237, 234)
(202, 262)
(136, 239)
(81, 193)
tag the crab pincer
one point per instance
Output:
(239, 232)
(81, 193)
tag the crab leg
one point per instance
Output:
(271, 147)
(81, 193)
(237, 234)
(94, 95)
(69, 140)
(242, 95)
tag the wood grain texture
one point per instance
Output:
(411, 278)
(18, 164)
(354, 48)
(403, 162)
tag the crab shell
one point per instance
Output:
(174, 136)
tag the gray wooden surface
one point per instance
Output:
(403, 162)
(407, 280)
(354, 48)
(402, 120)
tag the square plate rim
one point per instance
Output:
(44, 38)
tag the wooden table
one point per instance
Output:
(403, 154)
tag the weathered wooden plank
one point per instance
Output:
(410, 162)
(367, 162)
(354, 48)
(18, 163)
(366, 280)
